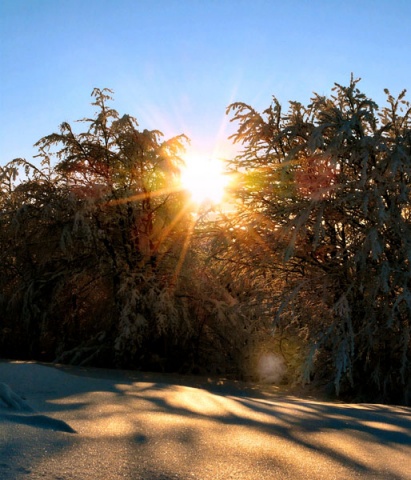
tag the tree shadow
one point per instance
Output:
(157, 426)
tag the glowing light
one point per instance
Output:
(204, 179)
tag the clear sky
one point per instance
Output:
(177, 64)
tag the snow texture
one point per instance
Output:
(12, 400)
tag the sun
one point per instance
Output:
(204, 179)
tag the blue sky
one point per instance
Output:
(177, 64)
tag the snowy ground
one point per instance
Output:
(82, 424)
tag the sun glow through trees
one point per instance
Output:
(204, 179)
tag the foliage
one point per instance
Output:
(102, 261)
(94, 252)
(323, 198)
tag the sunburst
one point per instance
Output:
(204, 179)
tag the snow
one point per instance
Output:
(71, 424)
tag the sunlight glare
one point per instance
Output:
(204, 179)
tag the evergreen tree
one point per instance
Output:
(324, 191)
(99, 263)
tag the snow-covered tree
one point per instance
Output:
(97, 262)
(327, 187)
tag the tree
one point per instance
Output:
(91, 239)
(324, 191)
(98, 262)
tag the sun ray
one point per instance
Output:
(167, 230)
(184, 251)
(142, 196)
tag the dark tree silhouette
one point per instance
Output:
(96, 262)
(324, 191)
